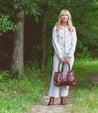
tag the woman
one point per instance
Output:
(64, 41)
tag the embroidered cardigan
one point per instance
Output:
(64, 41)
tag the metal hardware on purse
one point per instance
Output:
(64, 78)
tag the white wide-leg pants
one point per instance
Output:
(59, 91)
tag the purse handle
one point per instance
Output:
(59, 67)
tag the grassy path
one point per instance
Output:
(72, 106)
(82, 97)
(61, 108)
(68, 108)
(30, 95)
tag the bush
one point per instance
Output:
(5, 76)
(84, 53)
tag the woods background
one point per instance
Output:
(26, 30)
(26, 49)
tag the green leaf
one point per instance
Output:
(36, 19)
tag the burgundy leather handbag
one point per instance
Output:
(64, 78)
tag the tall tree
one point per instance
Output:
(21, 7)
(43, 37)
(18, 54)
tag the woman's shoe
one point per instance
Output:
(63, 102)
(51, 102)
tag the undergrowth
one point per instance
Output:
(19, 95)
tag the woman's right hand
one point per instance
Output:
(62, 60)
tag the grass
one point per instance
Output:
(85, 92)
(18, 96)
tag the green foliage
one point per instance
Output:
(84, 93)
(33, 65)
(5, 76)
(27, 6)
(84, 53)
(6, 24)
(87, 102)
(18, 96)
(83, 16)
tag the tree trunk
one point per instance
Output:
(43, 39)
(17, 64)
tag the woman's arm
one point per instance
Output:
(73, 43)
(55, 43)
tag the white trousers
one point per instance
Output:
(59, 91)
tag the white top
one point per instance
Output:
(64, 42)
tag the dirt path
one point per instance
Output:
(51, 109)
(94, 78)
(56, 108)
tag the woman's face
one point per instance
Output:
(64, 17)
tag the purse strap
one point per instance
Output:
(59, 67)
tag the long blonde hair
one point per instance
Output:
(69, 23)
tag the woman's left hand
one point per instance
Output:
(67, 60)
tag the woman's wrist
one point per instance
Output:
(62, 59)
(67, 60)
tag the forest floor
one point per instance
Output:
(30, 95)
(56, 108)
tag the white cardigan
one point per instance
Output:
(64, 42)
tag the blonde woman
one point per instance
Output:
(64, 41)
